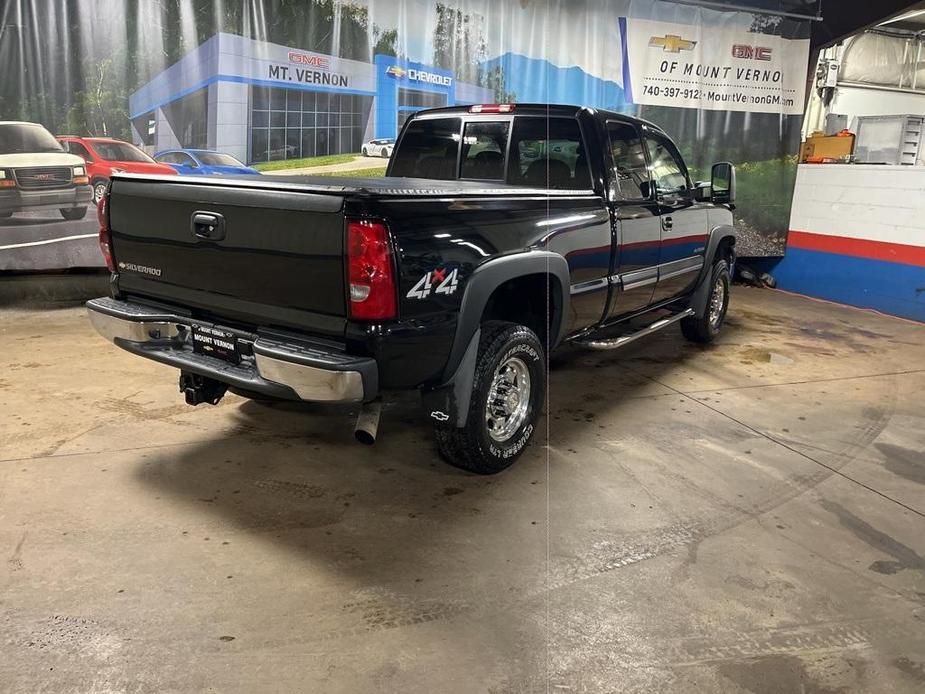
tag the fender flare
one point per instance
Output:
(717, 235)
(488, 277)
(449, 402)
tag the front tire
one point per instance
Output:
(365, 152)
(706, 327)
(508, 391)
(74, 213)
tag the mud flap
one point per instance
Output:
(449, 403)
(702, 294)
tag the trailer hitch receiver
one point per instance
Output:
(199, 389)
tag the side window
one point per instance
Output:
(186, 160)
(665, 167)
(629, 161)
(483, 150)
(428, 149)
(548, 153)
(79, 150)
(168, 158)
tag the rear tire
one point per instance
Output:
(74, 213)
(99, 190)
(508, 391)
(704, 328)
(384, 153)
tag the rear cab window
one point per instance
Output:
(429, 148)
(531, 151)
(483, 149)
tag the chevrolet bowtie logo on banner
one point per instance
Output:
(671, 43)
(397, 72)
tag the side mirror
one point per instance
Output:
(703, 191)
(723, 183)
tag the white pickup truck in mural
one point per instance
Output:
(36, 173)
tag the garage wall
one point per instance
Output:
(857, 236)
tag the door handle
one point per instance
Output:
(667, 223)
(208, 225)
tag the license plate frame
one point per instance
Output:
(215, 342)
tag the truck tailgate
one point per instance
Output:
(278, 260)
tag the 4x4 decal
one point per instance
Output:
(439, 281)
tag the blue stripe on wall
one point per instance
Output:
(892, 288)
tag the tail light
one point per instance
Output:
(370, 271)
(102, 214)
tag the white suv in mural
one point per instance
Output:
(37, 174)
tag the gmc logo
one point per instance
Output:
(318, 61)
(751, 52)
(42, 177)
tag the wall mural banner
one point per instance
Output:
(205, 86)
(712, 67)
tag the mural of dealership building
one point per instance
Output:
(261, 101)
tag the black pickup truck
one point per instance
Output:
(499, 233)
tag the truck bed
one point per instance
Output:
(279, 260)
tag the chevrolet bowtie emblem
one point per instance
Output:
(670, 43)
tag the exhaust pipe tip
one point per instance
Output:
(367, 425)
(365, 437)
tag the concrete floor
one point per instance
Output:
(741, 518)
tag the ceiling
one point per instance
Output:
(842, 18)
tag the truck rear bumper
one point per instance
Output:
(272, 365)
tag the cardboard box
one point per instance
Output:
(820, 148)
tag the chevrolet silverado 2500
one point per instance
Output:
(499, 233)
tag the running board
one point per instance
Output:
(617, 342)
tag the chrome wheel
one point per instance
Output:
(508, 399)
(718, 302)
(99, 190)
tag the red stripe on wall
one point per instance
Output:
(859, 248)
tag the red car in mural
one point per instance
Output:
(106, 156)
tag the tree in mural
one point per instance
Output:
(459, 42)
(493, 79)
(385, 42)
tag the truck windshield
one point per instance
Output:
(26, 137)
(120, 151)
(428, 149)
